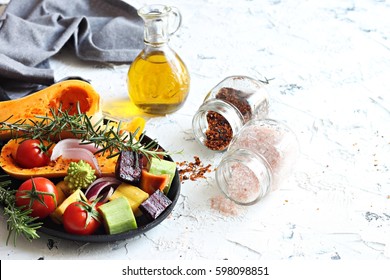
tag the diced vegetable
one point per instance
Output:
(155, 204)
(151, 182)
(161, 166)
(128, 167)
(117, 216)
(134, 195)
(56, 216)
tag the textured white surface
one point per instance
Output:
(329, 62)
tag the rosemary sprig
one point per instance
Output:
(109, 138)
(19, 222)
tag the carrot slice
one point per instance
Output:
(152, 182)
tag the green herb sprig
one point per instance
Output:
(109, 139)
(19, 221)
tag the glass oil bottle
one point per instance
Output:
(158, 80)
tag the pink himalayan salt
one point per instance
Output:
(243, 185)
(264, 141)
(244, 180)
(224, 205)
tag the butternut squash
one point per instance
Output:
(65, 94)
(56, 169)
(151, 182)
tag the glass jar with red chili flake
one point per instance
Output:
(226, 108)
(259, 158)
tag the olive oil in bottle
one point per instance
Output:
(158, 80)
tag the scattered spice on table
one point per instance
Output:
(224, 206)
(193, 170)
(219, 132)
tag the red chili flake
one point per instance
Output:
(219, 132)
(192, 170)
(238, 99)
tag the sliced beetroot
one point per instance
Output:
(128, 168)
(144, 161)
(155, 204)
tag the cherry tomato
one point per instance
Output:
(81, 218)
(38, 194)
(32, 153)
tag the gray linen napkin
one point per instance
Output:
(32, 31)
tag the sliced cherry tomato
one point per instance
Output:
(38, 194)
(32, 153)
(81, 217)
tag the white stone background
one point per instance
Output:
(329, 62)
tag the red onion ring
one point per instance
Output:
(103, 187)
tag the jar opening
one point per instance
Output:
(243, 176)
(215, 124)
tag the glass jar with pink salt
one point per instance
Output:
(226, 108)
(258, 159)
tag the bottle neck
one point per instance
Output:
(200, 123)
(243, 176)
(161, 22)
(155, 32)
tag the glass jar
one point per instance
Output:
(158, 80)
(258, 159)
(226, 108)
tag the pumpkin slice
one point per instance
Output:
(66, 94)
(55, 169)
(150, 182)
